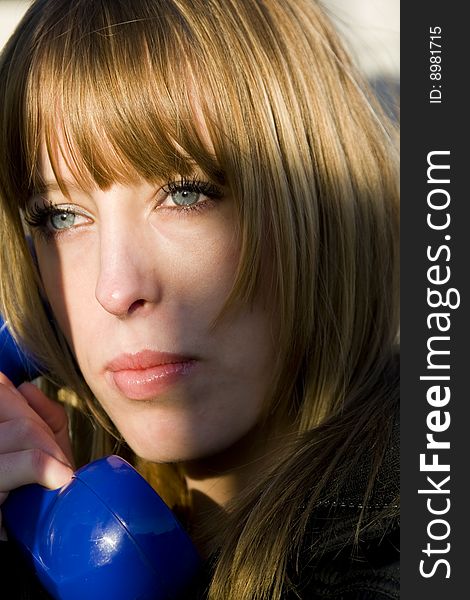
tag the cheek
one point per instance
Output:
(195, 273)
(194, 266)
(203, 261)
(66, 277)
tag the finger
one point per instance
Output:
(25, 434)
(14, 405)
(8, 384)
(32, 466)
(52, 413)
(4, 379)
(28, 401)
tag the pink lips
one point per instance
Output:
(147, 374)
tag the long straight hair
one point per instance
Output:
(120, 90)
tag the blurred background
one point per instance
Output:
(10, 13)
(371, 29)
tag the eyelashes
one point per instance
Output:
(39, 217)
(194, 186)
(182, 197)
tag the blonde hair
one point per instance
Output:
(312, 164)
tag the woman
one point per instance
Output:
(211, 196)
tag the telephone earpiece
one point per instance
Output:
(105, 534)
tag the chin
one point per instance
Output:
(170, 452)
(174, 452)
(164, 440)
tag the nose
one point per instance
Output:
(127, 279)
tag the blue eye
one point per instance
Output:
(185, 197)
(189, 194)
(51, 220)
(62, 220)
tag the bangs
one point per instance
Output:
(108, 100)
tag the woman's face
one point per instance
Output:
(135, 281)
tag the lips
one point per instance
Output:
(148, 374)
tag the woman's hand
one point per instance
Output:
(34, 441)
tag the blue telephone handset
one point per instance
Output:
(106, 534)
(16, 365)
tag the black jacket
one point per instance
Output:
(346, 569)
(368, 570)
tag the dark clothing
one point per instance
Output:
(368, 570)
(345, 570)
(18, 583)
(372, 574)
